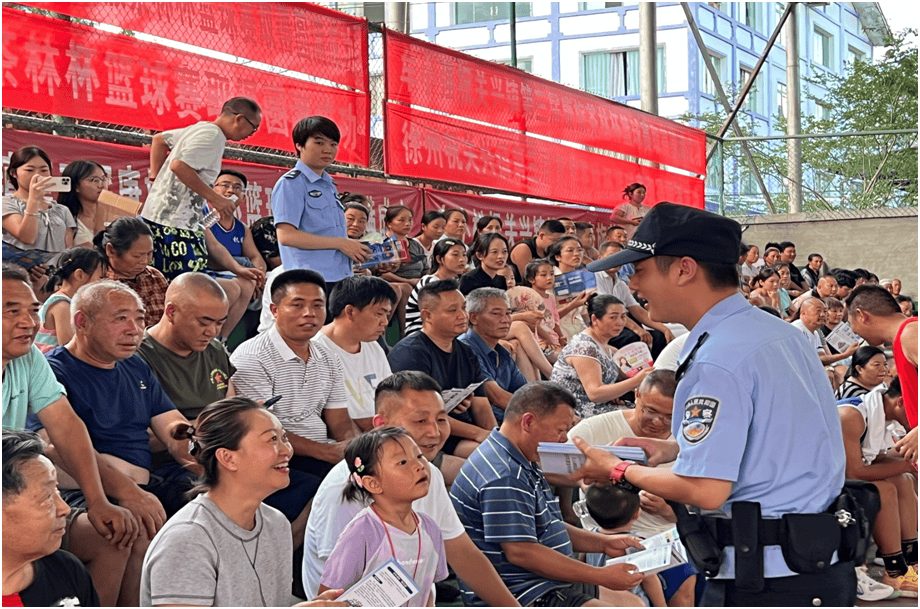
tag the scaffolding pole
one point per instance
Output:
(793, 113)
(648, 73)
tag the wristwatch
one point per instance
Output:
(618, 473)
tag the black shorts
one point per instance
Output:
(177, 250)
(573, 595)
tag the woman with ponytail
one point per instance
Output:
(76, 267)
(225, 547)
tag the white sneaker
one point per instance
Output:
(868, 589)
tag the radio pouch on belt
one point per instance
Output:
(699, 541)
(748, 550)
(855, 510)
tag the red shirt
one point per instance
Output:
(907, 373)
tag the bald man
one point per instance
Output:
(827, 286)
(194, 368)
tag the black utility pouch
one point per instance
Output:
(809, 541)
(699, 541)
(748, 549)
(855, 510)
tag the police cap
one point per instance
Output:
(677, 230)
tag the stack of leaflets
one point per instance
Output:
(633, 358)
(25, 258)
(842, 337)
(662, 551)
(388, 586)
(565, 459)
(388, 251)
(576, 282)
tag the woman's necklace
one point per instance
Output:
(252, 563)
(393, 548)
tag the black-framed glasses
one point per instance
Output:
(685, 365)
(255, 127)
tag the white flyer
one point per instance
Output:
(453, 397)
(662, 551)
(565, 459)
(633, 358)
(388, 586)
(842, 337)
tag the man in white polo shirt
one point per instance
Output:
(284, 361)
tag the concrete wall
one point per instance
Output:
(883, 241)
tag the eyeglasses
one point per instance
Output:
(97, 181)
(230, 186)
(255, 127)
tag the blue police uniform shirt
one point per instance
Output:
(116, 404)
(755, 407)
(309, 202)
(497, 364)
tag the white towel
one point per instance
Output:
(878, 439)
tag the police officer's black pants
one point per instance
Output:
(836, 588)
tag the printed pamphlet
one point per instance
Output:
(565, 459)
(388, 586)
(633, 358)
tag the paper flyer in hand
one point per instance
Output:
(662, 551)
(388, 251)
(842, 337)
(25, 258)
(453, 397)
(388, 586)
(574, 282)
(633, 358)
(564, 458)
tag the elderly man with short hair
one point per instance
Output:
(813, 313)
(530, 545)
(826, 287)
(36, 572)
(490, 319)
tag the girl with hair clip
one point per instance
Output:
(387, 470)
(226, 547)
(538, 274)
(77, 267)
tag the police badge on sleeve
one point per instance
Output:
(700, 414)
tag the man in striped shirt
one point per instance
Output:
(510, 512)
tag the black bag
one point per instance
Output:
(855, 509)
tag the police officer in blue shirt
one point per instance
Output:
(309, 218)
(754, 420)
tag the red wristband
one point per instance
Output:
(618, 473)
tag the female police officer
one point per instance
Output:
(754, 417)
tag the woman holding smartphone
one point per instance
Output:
(31, 220)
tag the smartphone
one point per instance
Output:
(58, 184)
(271, 401)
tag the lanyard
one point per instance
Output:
(418, 530)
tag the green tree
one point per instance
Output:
(857, 172)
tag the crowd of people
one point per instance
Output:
(145, 464)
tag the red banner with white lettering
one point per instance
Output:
(70, 69)
(520, 219)
(428, 76)
(437, 147)
(129, 168)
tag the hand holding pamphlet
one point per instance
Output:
(575, 282)
(633, 358)
(388, 251)
(565, 459)
(662, 551)
(453, 397)
(388, 586)
(842, 337)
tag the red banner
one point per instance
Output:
(440, 148)
(297, 36)
(428, 76)
(129, 167)
(520, 219)
(59, 67)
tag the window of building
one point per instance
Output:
(478, 12)
(781, 99)
(854, 55)
(523, 63)
(823, 48)
(616, 74)
(749, 15)
(595, 6)
(779, 10)
(752, 103)
(718, 62)
(822, 112)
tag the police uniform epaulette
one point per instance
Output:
(292, 174)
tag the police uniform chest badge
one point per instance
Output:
(315, 193)
(700, 414)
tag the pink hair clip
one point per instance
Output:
(357, 480)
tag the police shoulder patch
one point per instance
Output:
(315, 193)
(700, 414)
(291, 174)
